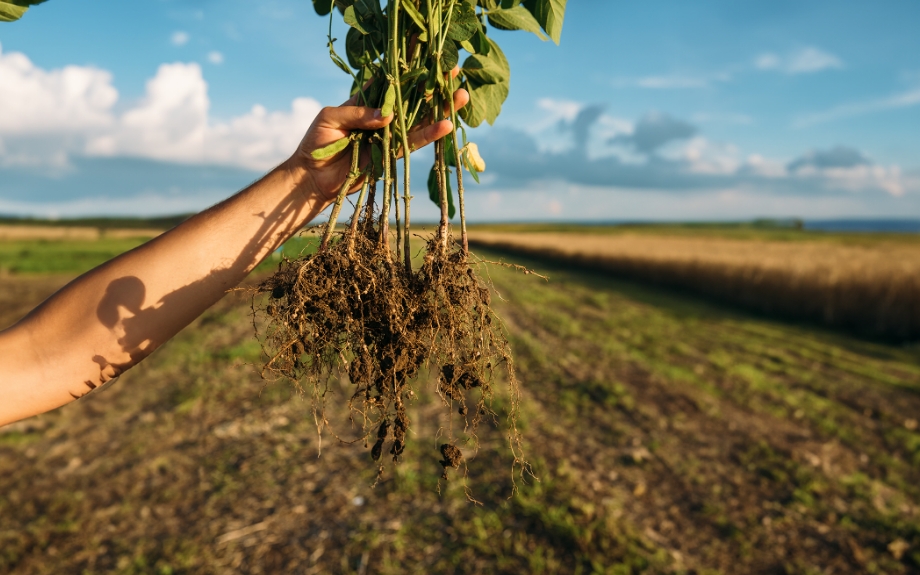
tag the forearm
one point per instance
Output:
(110, 318)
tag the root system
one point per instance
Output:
(351, 311)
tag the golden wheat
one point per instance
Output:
(872, 289)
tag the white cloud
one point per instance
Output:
(767, 62)
(857, 178)
(551, 127)
(765, 167)
(172, 123)
(705, 157)
(902, 100)
(67, 100)
(624, 203)
(49, 115)
(806, 60)
(555, 110)
(179, 38)
(672, 81)
(215, 57)
(675, 158)
(810, 60)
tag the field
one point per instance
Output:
(867, 284)
(668, 435)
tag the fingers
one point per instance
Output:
(461, 99)
(348, 118)
(424, 136)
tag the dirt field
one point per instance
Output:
(669, 436)
(871, 287)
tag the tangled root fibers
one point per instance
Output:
(350, 309)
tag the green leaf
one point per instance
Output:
(485, 102)
(367, 8)
(373, 93)
(412, 76)
(464, 23)
(517, 18)
(489, 68)
(435, 193)
(343, 4)
(322, 7)
(377, 158)
(481, 42)
(332, 149)
(11, 12)
(431, 82)
(389, 101)
(361, 49)
(487, 79)
(550, 14)
(352, 20)
(450, 57)
(414, 15)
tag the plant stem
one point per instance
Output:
(455, 120)
(392, 14)
(349, 182)
(396, 208)
(369, 215)
(384, 228)
(357, 216)
(441, 171)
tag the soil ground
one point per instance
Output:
(668, 435)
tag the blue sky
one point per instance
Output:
(648, 110)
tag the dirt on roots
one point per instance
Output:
(350, 309)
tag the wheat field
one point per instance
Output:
(872, 288)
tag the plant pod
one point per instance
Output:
(389, 100)
(332, 149)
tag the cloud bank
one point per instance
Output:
(70, 145)
(668, 155)
(50, 116)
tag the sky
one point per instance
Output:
(652, 110)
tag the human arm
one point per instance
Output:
(112, 317)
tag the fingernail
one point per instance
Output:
(378, 114)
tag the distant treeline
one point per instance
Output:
(102, 223)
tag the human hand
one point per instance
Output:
(326, 176)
